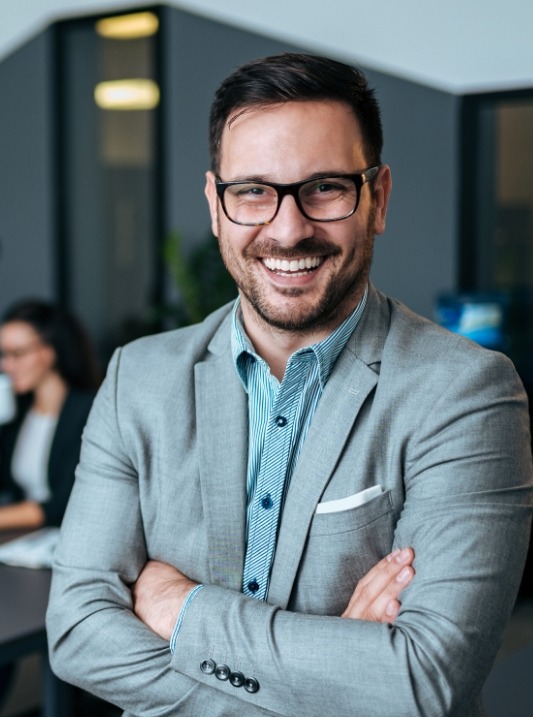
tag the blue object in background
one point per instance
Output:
(481, 317)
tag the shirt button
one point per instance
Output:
(253, 586)
(281, 421)
(266, 502)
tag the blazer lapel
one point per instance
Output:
(222, 424)
(351, 381)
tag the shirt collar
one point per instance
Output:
(326, 351)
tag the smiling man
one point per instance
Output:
(315, 502)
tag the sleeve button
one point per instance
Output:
(237, 679)
(222, 672)
(208, 667)
(251, 685)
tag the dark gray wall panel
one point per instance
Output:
(417, 257)
(27, 250)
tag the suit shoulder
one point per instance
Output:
(189, 343)
(414, 339)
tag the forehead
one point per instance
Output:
(289, 141)
(17, 333)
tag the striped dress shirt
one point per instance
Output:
(279, 416)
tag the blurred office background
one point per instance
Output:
(92, 193)
(89, 193)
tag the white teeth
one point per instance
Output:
(295, 265)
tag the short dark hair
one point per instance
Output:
(56, 327)
(297, 77)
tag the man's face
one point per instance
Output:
(286, 143)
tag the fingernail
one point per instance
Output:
(403, 556)
(392, 609)
(403, 575)
(392, 555)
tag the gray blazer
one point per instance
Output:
(438, 423)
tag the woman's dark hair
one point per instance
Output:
(75, 360)
(292, 77)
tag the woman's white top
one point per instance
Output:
(29, 465)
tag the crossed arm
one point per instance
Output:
(161, 590)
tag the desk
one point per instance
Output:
(23, 600)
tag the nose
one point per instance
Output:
(289, 226)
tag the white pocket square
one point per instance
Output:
(352, 501)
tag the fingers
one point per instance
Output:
(376, 595)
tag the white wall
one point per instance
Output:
(458, 46)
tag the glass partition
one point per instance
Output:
(108, 90)
(497, 210)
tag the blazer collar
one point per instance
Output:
(222, 426)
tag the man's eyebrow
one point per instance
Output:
(265, 178)
(249, 178)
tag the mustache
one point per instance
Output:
(306, 247)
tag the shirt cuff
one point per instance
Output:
(179, 621)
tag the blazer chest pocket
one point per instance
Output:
(352, 519)
(341, 548)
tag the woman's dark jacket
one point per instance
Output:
(64, 452)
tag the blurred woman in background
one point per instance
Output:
(53, 371)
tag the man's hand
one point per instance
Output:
(376, 596)
(158, 595)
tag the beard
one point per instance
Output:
(300, 314)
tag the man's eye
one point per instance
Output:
(250, 191)
(330, 186)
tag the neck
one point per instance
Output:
(50, 395)
(276, 346)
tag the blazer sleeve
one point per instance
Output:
(65, 453)
(468, 495)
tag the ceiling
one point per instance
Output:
(459, 46)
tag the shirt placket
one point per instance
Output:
(268, 497)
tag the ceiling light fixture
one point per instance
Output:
(134, 94)
(128, 27)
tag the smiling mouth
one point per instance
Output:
(293, 267)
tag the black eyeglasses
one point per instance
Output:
(322, 199)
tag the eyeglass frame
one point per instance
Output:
(292, 188)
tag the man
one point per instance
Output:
(252, 491)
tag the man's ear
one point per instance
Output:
(212, 200)
(382, 189)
